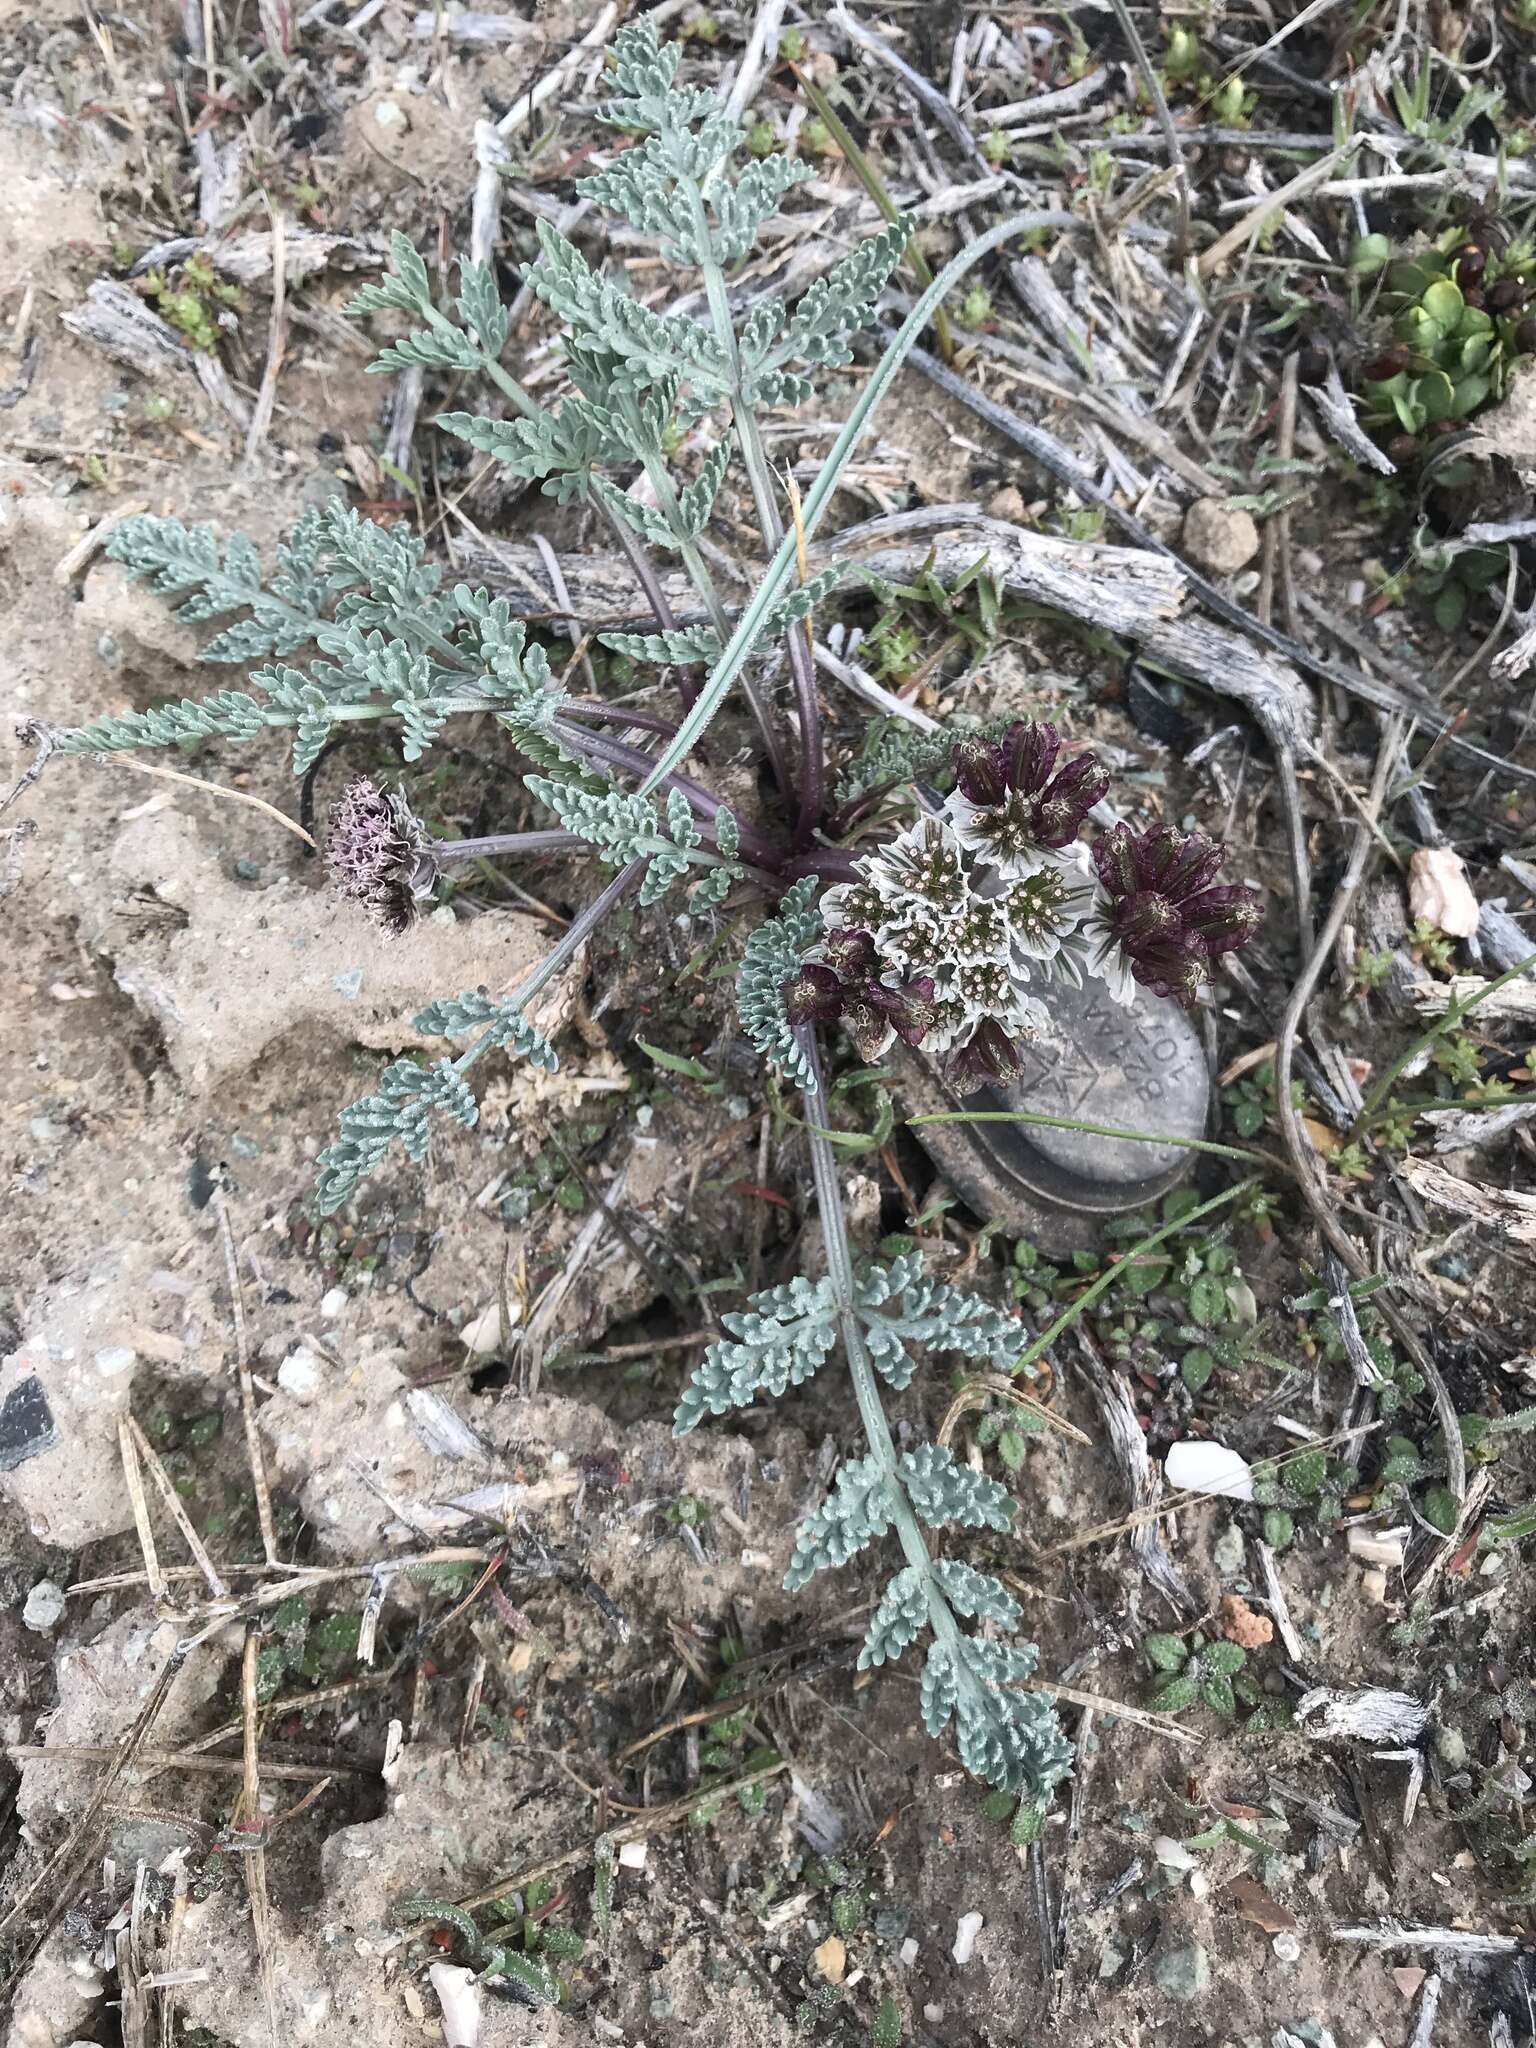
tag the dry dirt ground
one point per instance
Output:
(182, 1012)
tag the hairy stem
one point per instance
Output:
(606, 752)
(576, 933)
(734, 655)
(759, 477)
(866, 1388)
(653, 461)
(442, 852)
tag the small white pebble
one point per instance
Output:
(1195, 1466)
(1171, 1854)
(332, 1302)
(1199, 1885)
(632, 1855)
(967, 1928)
(1287, 1947)
(388, 115)
(933, 2014)
(299, 1375)
(115, 1359)
(44, 1609)
(908, 1953)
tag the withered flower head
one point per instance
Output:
(378, 854)
(1012, 800)
(989, 1057)
(1163, 914)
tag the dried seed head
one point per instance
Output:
(379, 855)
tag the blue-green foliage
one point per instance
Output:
(772, 954)
(385, 638)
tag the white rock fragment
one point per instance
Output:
(1439, 892)
(299, 1375)
(482, 1333)
(633, 1855)
(332, 1302)
(44, 1609)
(1195, 1467)
(908, 1953)
(1171, 1854)
(1384, 1547)
(459, 1996)
(968, 1926)
(1287, 1947)
(116, 1358)
(389, 114)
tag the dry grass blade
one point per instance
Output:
(133, 1479)
(247, 1386)
(248, 1814)
(179, 1760)
(217, 1590)
(57, 1879)
(987, 1387)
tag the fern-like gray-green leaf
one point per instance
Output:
(943, 1491)
(684, 644)
(854, 1513)
(455, 1016)
(772, 955)
(776, 1343)
(898, 1621)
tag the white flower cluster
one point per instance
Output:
(987, 924)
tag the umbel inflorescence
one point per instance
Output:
(958, 924)
(948, 938)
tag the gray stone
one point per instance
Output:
(1219, 537)
(44, 1608)
(1184, 1972)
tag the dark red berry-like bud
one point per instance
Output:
(1404, 449)
(1473, 296)
(813, 994)
(910, 1010)
(1387, 364)
(991, 1056)
(1505, 296)
(1168, 919)
(849, 952)
(1471, 262)
(1525, 337)
(1312, 364)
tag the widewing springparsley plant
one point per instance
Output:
(946, 936)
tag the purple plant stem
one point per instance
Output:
(756, 846)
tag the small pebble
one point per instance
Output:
(1287, 1947)
(299, 1375)
(389, 115)
(333, 1302)
(44, 1609)
(632, 1855)
(1220, 537)
(908, 1953)
(1373, 1584)
(115, 1359)
(1171, 1854)
(1451, 1747)
(967, 1928)
(1008, 503)
(1184, 1972)
(1199, 1885)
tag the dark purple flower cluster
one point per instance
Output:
(1017, 777)
(845, 986)
(1164, 912)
